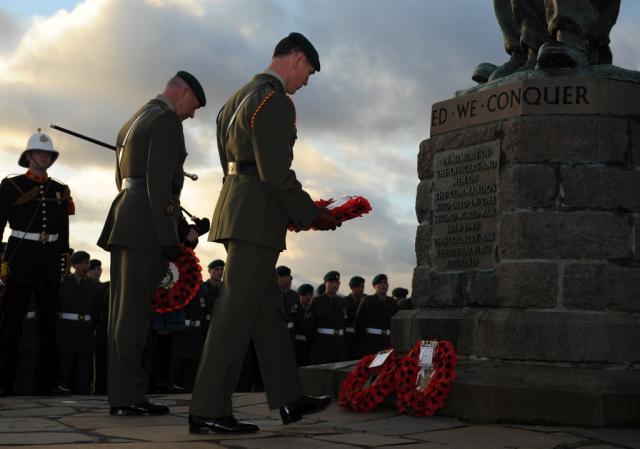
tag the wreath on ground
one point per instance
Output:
(180, 284)
(365, 387)
(421, 391)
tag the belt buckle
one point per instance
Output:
(44, 237)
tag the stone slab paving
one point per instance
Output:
(83, 422)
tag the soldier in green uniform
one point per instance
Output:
(373, 318)
(37, 209)
(100, 353)
(261, 195)
(325, 322)
(400, 297)
(141, 232)
(80, 298)
(210, 289)
(305, 293)
(352, 301)
(290, 300)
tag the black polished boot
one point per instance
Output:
(144, 408)
(226, 424)
(304, 405)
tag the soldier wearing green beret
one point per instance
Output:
(352, 301)
(141, 232)
(400, 296)
(325, 323)
(256, 131)
(294, 313)
(80, 298)
(373, 318)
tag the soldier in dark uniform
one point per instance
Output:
(37, 208)
(400, 297)
(305, 293)
(290, 299)
(373, 318)
(80, 298)
(352, 301)
(210, 289)
(325, 321)
(141, 232)
(260, 196)
(102, 325)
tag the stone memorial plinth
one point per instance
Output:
(528, 250)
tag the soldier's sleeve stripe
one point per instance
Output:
(262, 103)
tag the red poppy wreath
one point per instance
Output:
(365, 387)
(422, 388)
(180, 284)
(343, 209)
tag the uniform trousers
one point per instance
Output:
(134, 276)
(249, 308)
(14, 307)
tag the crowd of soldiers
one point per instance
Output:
(324, 326)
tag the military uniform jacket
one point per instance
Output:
(83, 298)
(260, 129)
(40, 207)
(188, 343)
(351, 305)
(329, 313)
(146, 218)
(374, 312)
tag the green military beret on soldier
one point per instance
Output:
(79, 257)
(356, 281)
(283, 270)
(379, 278)
(94, 263)
(399, 292)
(195, 86)
(298, 40)
(305, 289)
(218, 263)
(332, 276)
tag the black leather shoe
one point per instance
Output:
(226, 424)
(59, 390)
(304, 405)
(145, 408)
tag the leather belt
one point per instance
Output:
(74, 316)
(376, 331)
(329, 331)
(134, 183)
(192, 323)
(35, 236)
(242, 168)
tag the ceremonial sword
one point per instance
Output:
(192, 176)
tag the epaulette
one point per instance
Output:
(12, 176)
(58, 181)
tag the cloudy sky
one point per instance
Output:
(88, 65)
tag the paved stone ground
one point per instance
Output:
(84, 422)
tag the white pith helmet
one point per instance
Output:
(38, 141)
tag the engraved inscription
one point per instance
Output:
(465, 200)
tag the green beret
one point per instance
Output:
(283, 270)
(305, 289)
(94, 263)
(379, 278)
(308, 49)
(355, 281)
(332, 276)
(79, 257)
(216, 264)
(399, 292)
(195, 86)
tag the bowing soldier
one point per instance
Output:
(80, 298)
(373, 318)
(37, 209)
(325, 321)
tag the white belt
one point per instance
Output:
(192, 323)
(29, 315)
(74, 316)
(350, 330)
(376, 331)
(35, 236)
(329, 331)
(300, 337)
(290, 325)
